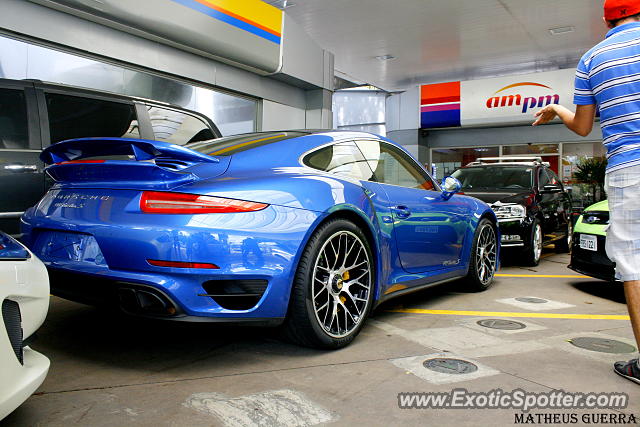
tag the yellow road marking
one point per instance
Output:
(511, 314)
(563, 276)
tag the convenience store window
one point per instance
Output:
(445, 161)
(563, 159)
(572, 155)
(548, 152)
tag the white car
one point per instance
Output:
(24, 295)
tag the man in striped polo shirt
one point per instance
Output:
(608, 76)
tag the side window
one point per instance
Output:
(177, 127)
(553, 178)
(392, 166)
(342, 159)
(14, 131)
(77, 117)
(543, 178)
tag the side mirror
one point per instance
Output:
(450, 186)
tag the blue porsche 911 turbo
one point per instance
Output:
(308, 230)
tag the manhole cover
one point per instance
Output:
(508, 325)
(602, 345)
(532, 300)
(450, 366)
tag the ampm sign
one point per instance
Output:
(494, 102)
(527, 102)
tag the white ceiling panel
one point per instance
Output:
(441, 40)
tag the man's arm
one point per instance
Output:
(580, 122)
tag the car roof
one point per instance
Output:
(510, 164)
(297, 141)
(266, 150)
(509, 160)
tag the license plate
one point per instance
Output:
(588, 242)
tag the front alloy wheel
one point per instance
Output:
(483, 257)
(563, 245)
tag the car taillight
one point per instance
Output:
(181, 264)
(180, 203)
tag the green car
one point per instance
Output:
(588, 254)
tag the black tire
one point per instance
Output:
(533, 251)
(303, 325)
(563, 245)
(482, 263)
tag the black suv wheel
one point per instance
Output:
(533, 252)
(563, 245)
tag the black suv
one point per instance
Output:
(34, 115)
(532, 206)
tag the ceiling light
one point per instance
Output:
(385, 57)
(561, 30)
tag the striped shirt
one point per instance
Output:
(609, 75)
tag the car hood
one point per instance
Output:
(597, 229)
(600, 206)
(499, 196)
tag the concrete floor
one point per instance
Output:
(108, 371)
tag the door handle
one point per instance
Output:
(14, 167)
(401, 212)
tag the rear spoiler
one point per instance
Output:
(157, 165)
(80, 148)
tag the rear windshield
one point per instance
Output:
(495, 177)
(234, 144)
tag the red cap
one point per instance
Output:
(618, 9)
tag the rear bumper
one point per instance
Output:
(178, 296)
(135, 297)
(106, 263)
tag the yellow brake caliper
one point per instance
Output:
(345, 276)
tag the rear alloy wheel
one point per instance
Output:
(333, 288)
(534, 251)
(483, 257)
